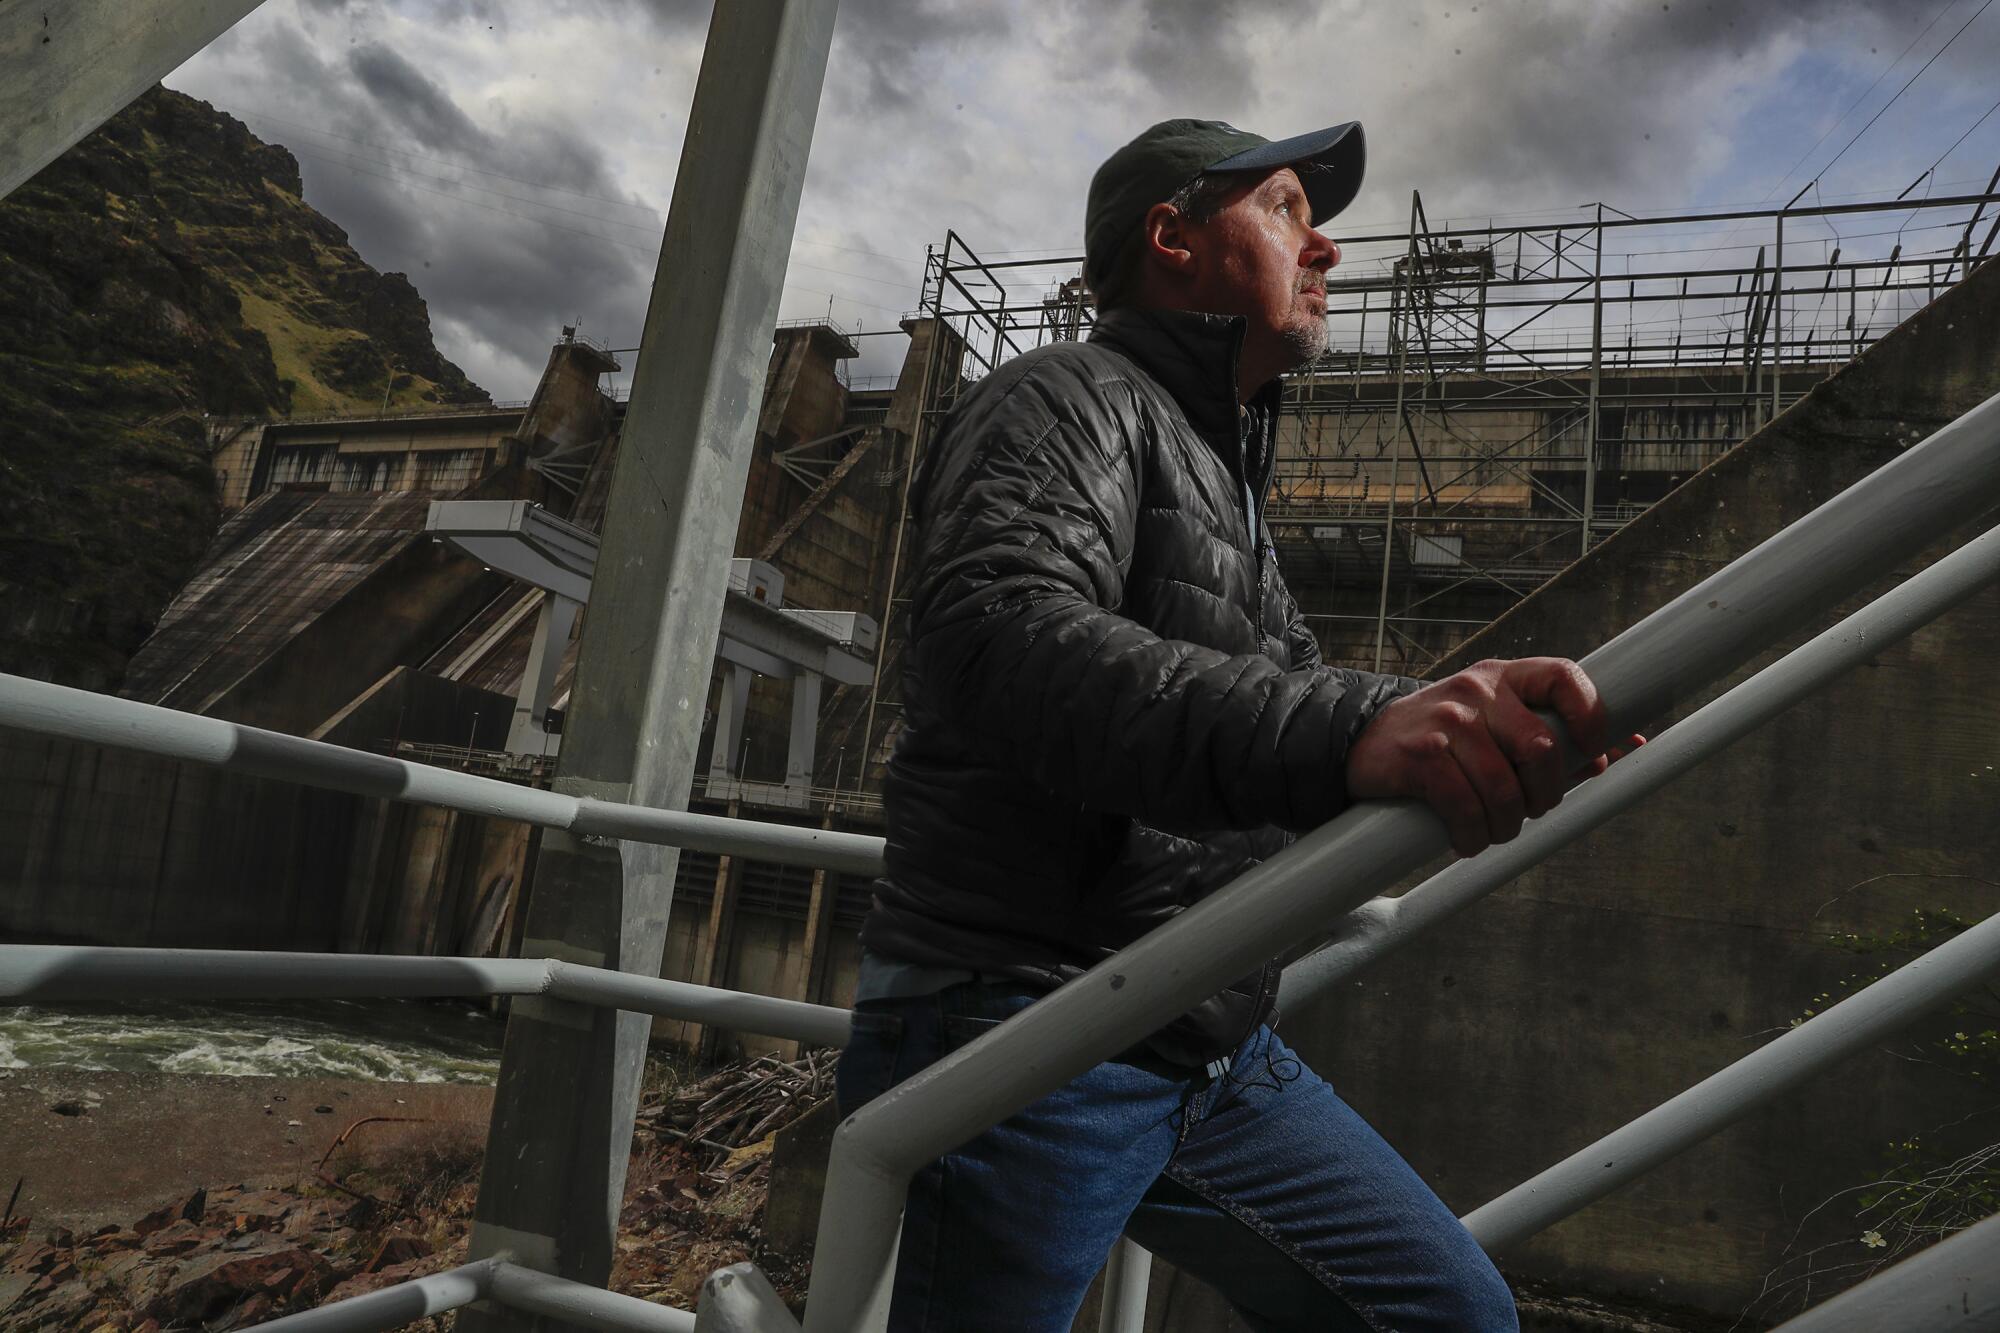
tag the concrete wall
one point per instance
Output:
(1502, 473)
(1339, 428)
(766, 952)
(419, 451)
(568, 411)
(233, 449)
(1685, 934)
(397, 616)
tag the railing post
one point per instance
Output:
(740, 1299)
(1126, 1275)
(569, 1075)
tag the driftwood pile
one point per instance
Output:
(738, 1105)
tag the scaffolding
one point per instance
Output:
(1495, 399)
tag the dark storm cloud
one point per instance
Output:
(506, 278)
(1596, 102)
(658, 15)
(415, 101)
(1496, 103)
(508, 225)
(1198, 45)
(989, 119)
(406, 103)
(889, 53)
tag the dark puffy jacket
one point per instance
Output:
(1112, 707)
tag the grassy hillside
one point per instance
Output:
(164, 271)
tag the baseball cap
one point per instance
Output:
(1154, 166)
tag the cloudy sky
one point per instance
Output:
(515, 158)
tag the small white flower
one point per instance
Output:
(1873, 1240)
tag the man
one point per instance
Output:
(1113, 707)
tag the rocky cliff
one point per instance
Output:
(164, 271)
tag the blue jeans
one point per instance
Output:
(1262, 1183)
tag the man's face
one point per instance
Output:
(1259, 257)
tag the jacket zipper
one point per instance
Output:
(1253, 506)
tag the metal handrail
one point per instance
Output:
(1709, 630)
(92, 972)
(1386, 923)
(500, 1280)
(1724, 1097)
(126, 724)
(1383, 924)
(395, 1306)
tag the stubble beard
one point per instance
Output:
(1305, 337)
(1305, 341)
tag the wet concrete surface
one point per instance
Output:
(91, 1148)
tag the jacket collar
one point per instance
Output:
(1193, 356)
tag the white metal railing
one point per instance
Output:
(89, 972)
(1377, 927)
(1642, 674)
(504, 1282)
(126, 724)
(1714, 626)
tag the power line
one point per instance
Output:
(1900, 91)
(648, 228)
(533, 184)
(1961, 139)
(334, 155)
(447, 162)
(1827, 133)
(651, 252)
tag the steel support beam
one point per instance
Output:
(732, 702)
(1593, 426)
(805, 727)
(67, 68)
(528, 734)
(1953, 1285)
(1642, 674)
(569, 1076)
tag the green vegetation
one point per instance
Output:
(1945, 1178)
(1936, 1180)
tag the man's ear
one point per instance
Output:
(1166, 240)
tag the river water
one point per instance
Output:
(401, 1041)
